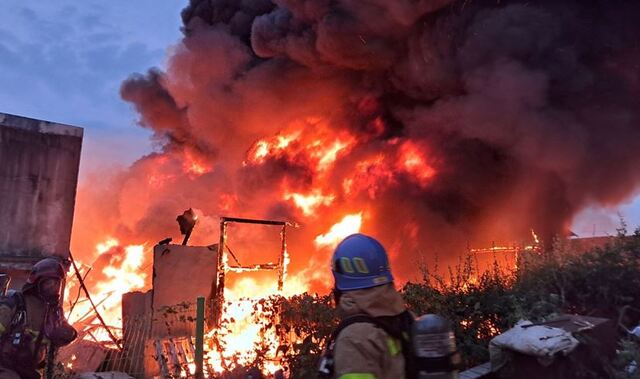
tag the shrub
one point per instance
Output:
(598, 282)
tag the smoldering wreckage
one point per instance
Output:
(434, 125)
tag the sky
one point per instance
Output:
(64, 61)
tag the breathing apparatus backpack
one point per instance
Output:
(428, 344)
(16, 343)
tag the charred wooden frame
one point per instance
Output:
(223, 267)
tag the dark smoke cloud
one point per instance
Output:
(530, 110)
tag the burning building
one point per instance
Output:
(39, 163)
(433, 125)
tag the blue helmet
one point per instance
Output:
(360, 262)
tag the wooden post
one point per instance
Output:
(199, 338)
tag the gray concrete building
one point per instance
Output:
(39, 162)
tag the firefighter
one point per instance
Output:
(31, 320)
(369, 342)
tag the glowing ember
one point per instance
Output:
(486, 330)
(349, 225)
(536, 240)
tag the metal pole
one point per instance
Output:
(95, 309)
(199, 337)
(51, 358)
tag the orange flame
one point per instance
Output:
(349, 225)
(311, 144)
(124, 273)
(310, 202)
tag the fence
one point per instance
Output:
(158, 345)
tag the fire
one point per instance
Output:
(103, 247)
(311, 142)
(196, 168)
(69, 364)
(412, 160)
(310, 202)
(124, 273)
(536, 240)
(194, 165)
(350, 224)
(487, 329)
(264, 148)
(243, 326)
(243, 329)
(382, 170)
(340, 167)
(370, 176)
(124, 277)
(326, 157)
(322, 133)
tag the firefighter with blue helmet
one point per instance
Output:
(365, 346)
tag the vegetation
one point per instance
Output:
(600, 282)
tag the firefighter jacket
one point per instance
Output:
(363, 350)
(18, 338)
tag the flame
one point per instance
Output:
(108, 244)
(310, 141)
(196, 168)
(124, 277)
(275, 146)
(311, 145)
(349, 225)
(327, 156)
(124, 273)
(412, 160)
(536, 240)
(242, 328)
(310, 202)
(486, 330)
(69, 364)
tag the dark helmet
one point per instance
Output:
(49, 267)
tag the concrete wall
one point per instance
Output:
(39, 163)
(182, 273)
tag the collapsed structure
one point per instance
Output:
(158, 334)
